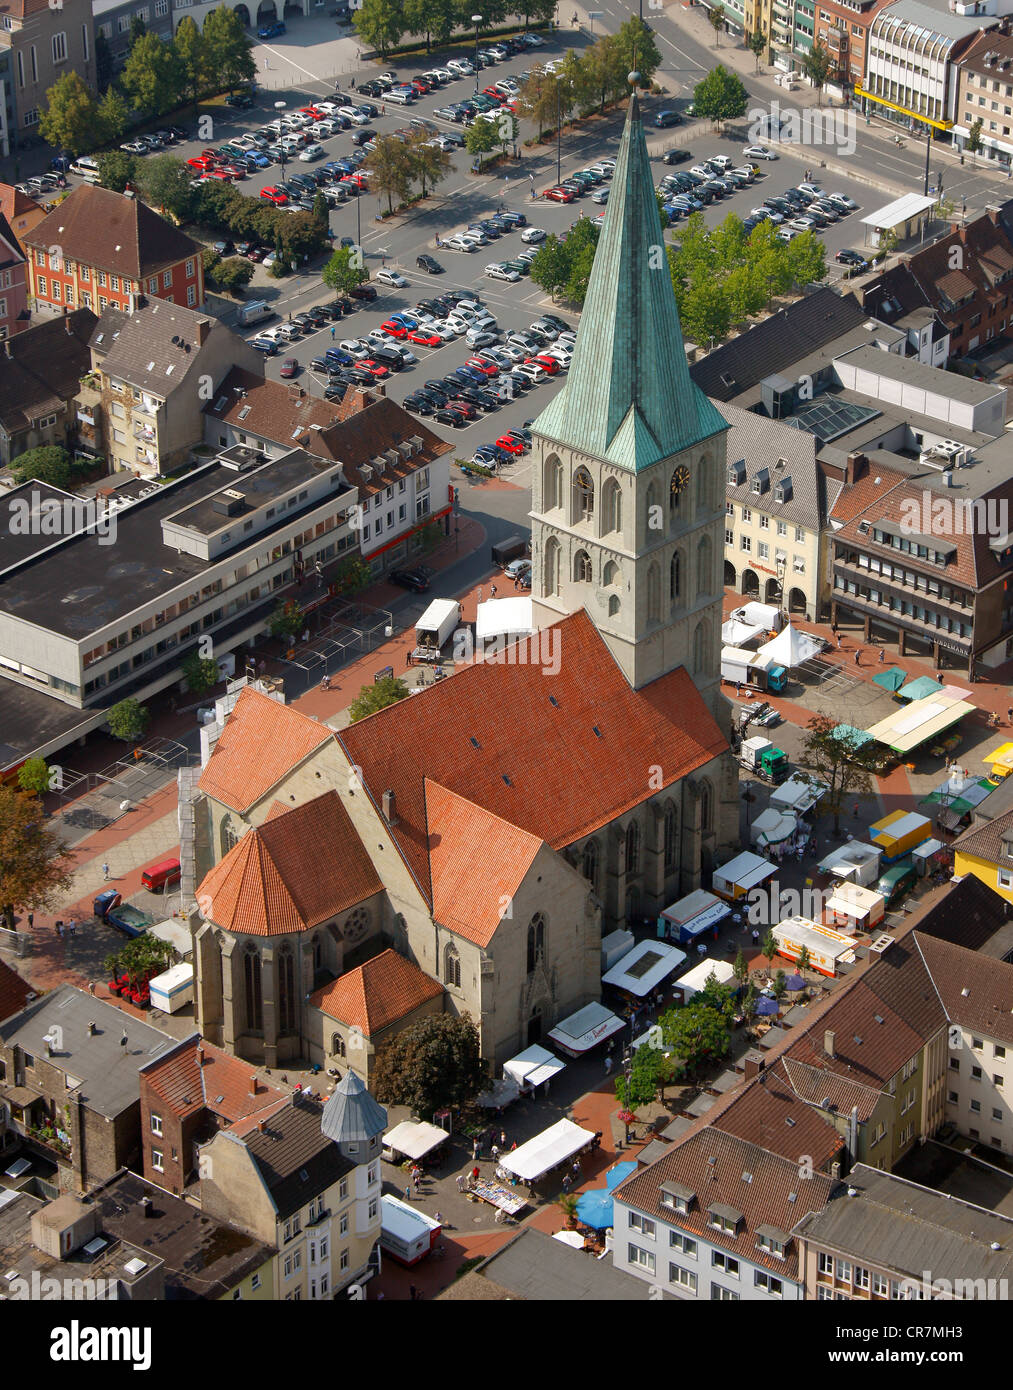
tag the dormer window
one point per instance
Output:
(724, 1219)
(773, 1241)
(677, 1197)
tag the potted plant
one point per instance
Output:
(568, 1204)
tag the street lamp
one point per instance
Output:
(476, 19)
(559, 133)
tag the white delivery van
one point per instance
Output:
(173, 989)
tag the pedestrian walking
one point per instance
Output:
(858, 656)
(566, 1183)
(332, 332)
(1009, 720)
(838, 641)
(91, 986)
(105, 872)
(608, 1066)
(882, 655)
(73, 926)
(462, 1182)
(31, 920)
(59, 930)
(408, 1193)
(492, 591)
(856, 810)
(407, 660)
(756, 937)
(502, 1138)
(495, 1153)
(478, 594)
(415, 1181)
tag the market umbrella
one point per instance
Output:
(594, 1208)
(618, 1173)
(766, 1006)
(794, 983)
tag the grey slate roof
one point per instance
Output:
(139, 347)
(106, 1069)
(295, 1159)
(44, 369)
(902, 1226)
(628, 396)
(534, 1266)
(761, 443)
(351, 1115)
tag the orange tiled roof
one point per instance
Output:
(291, 873)
(222, 1085)
(16, 204)
(262, 741)
(373, 996)
(476, 860)
(854, 498)
(558, 755)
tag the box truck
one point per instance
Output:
(513, 548)
(749, 668)
(759, 756)
(439, 620)
(254, 312)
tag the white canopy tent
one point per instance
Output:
(738, 634)
(504, 617)
(798, 794)
(546, 1151)
(533, 1067)
(772, 827)
(414, 1138)
(791, 647)
(695, 980)
(747, 870)
(644, 968)
(499, 1095)
(584, 1029)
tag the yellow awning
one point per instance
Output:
(906, 729)
(904, 110)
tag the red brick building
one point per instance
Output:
(843, 26)
(99, 249)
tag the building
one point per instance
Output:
(884, 1238)
(842, 26)
(792, 29)
(985, 94)
(69, 1068)
(157, 367)
(399, 468)
(98, 249)
(533, 1267)
(775, 514)
(40, 378)
(188, 1094)
(964, 278)
(21, 212)
(13, 283)
(985, 850)
(713, 1219)
(913, 52)
(39, 42)
(629, 462)
(113, 19)
(306, 1180)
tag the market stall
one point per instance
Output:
(798, 794)
(412, 1139)
(692, 916)
(791, 647)
(740, 875)
(918, 689)
(585, 1029)
(773, 827)
(504, 618)
(497, 1195)
(614, 947)
(735, 633)
(643, 969)
(696, 979)
(532, 1068)
(554, 1146)
(922, 720)
(499, 1095)
(999, 762)
(407, 1234)
(956, 798)
(827, 948)
(891, 679)
(855, 862)
(930, 855)
(856, 907)
(897, 834)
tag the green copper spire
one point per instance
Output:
(629, 397)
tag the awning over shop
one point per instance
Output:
(694, 914)
(773, 827)
(745, 871)
(547, 1150)
(644, 968)
(798, 794)
(892, 679)
(918, 688)
(533, 1067)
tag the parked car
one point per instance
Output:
(391, 277)
(759, 152)
(429, 264)
(413, 579)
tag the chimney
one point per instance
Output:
(752, 1065)
(857, 466)
(68, 325)
(203, 331)
(7, 348)
(200, 1055)
(261, 1126)
(91, 1028)
(962, 233)
(829, 1040)
(389, 807)
(993, 214)
(954, 229)
(146, 1208)
(253, 1086)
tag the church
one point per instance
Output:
(466, 850)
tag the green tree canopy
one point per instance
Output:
(141, 958)
(344, 270)
(429, 164)
(817, 65)
(698, 1033)
(233, 273)
(844, 770)
(650, 1071)
(165, 182)
(389, 165)
(33, 776)
(201, 673)
(639, 49)
(191, 57)
(33, 866)
(380, 23)
(758, 46)
(378, 696)
(69, 121)
(117, 170)
(112, 118)
(152, 75)
(720, 96)
(129, 719)
(48, 464)
(480, 138)
(565, 265)
(434, 1065)
(228, 49)
(288, 619)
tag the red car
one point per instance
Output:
(548, 364)
(274, 195)
(312, 112)
(558, 195)
(419, 335)
(202, 162)
(373, 367)
(465, 408)
(395, 329)
(483, 364)
(511, 445)
(289, 367)
(358, 178)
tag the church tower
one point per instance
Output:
(628, 491)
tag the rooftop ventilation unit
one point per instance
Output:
(228, 503)
(881, 944)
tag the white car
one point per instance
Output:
(801, 224)
(457, 242)
(759, 152)
(380, 338)
(461, 67)
(475, 235)
(391, 277)
(702, 172)
(720, 161)
(444, 74)
(513, 352)
(481, 337)
(812, 190)
(457, 325)
(563, 355)
(531, 236)
(327, 106)
(842, 202)
(311, 152)
(439, 328)
(405, 353)
(787, 233)
(353, 113)
(743, 173)
(354, 347)
(500, 272)
(532, 371)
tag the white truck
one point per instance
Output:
(749, 668)
(765, 615)
(254, 312)
(439, 620)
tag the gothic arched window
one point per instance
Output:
(675, 578)
(228, 835)
(337, 1045)
(610, 574)
(452, 967)
(536, 941)
(550, 569)
(706, 806)
(653, 595)
(583, 489)
(287, 1003)
(703, 566)
(582, 567)
(553, 483)
(614, 605)
(671, 836)
(612, 506)
(252, 990)
(700, 647)
(590, 865)
(632, 848)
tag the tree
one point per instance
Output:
(112, 117)
(138, 28)
(69, 121)
(541, 11)
(33, 866)
(152, 75)
(140, 959)
(352, 575)
(704, 311)
(117, 170)
(974, 143)
(390, 169)
(344, 270)
(717, 22)
(48, 464)
(436, 1064)
(817, 65)
(287, 619)
(741, 968)
(803, 962)
(228, 49)
(757, 46)
(780, 986)
(807, 259)
(697, 1033)
(607, 69)
(191, 56)
(650, 1071)
(480, 139)
(720, 96)
(298, 235)
(430, 165)
(768, 947)
(165, 182)
(437, 19)
(232, 274)
(378, 696)
(540, 100)
(201, 673)
(33, 776)
(835, 764)
(103, 62)
(380, 23)
(129, 719)
(566, 265)
(322, 211)
(639, 49)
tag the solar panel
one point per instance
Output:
(828, 417)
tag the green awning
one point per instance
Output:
(918, 688)
(854, 738)
(891, 680)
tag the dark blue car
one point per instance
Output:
(339, 357)
(467, 373)
(271, 31)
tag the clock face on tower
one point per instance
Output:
(680, 478)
